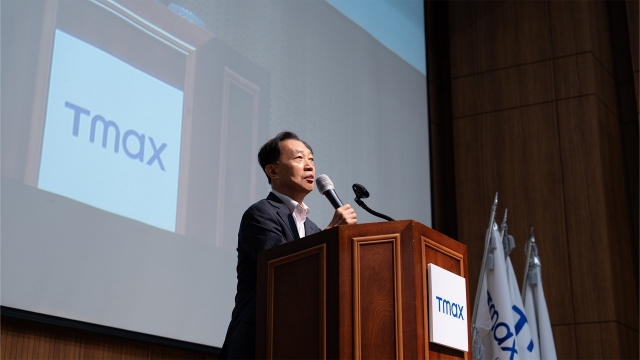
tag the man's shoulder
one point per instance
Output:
(263, 208)
(264, 205)
(262, 218)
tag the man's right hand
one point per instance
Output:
(344, 215)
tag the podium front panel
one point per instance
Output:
(297, 319)
(377, 297)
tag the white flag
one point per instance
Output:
(529, 309)
(527, 345)
(499, 323)
(537, 313)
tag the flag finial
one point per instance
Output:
(532, 259)
(507, 240)
(504, 219)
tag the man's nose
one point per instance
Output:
(308, 165)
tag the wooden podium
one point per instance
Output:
(354, 292)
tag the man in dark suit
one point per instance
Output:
(281, 217)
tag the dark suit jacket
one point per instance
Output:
(265, 224)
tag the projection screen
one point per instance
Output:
(130, 130)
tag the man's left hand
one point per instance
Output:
(344, 215)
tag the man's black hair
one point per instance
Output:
(270, 152)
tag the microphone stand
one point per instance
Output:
(361, 192)
(371, 211)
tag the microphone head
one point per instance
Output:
(324, 183)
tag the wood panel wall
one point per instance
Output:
(23, 339)
(541, 113)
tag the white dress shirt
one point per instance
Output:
(298, 211)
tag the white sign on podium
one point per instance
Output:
(447, 309)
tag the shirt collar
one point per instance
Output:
(291, 204)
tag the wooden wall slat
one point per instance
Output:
(463, 37)
(502, 89)
(24, 339)
(612, 337)
(479, 30)
(598, 231)
(6, 338)
(565, 341)
(581, 26)
(583, 74)
(588, 341)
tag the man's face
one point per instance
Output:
(295, 171)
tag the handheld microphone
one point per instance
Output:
(325, 186)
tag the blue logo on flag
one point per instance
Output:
(502, 331)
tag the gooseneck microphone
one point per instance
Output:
(362, 193)
(325, 186)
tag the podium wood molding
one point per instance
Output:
(370, 241)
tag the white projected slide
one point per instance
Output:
(112, 135)
(130, 139)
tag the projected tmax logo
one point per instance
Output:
(133, 142)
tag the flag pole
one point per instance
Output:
(503, 232)
(487, 239)
(525, 278)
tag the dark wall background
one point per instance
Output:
(536, 100)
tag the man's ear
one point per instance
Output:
(272, 171)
